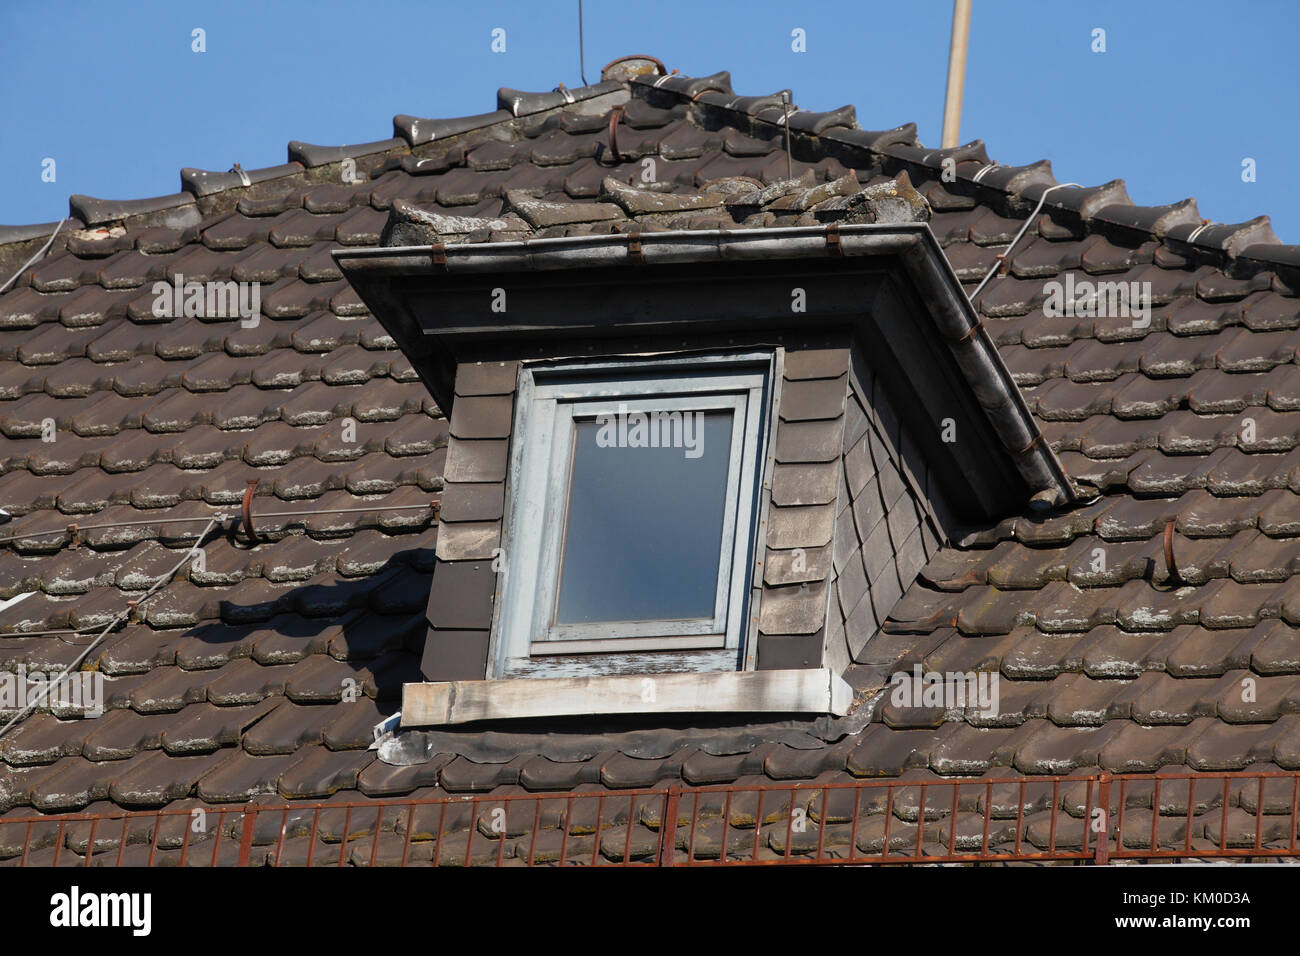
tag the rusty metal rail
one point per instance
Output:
(1077, 819)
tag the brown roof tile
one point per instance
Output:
(231, 684)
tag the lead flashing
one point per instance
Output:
(811, 690)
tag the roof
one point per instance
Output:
(261, 676)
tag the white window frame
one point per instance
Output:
(549, 401)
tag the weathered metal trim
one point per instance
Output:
(951, 310)
(807, 690)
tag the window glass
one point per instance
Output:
(643, 533)
(631, 516)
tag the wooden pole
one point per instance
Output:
(956, 73)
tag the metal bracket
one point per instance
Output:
(970, 333)
(833, 245)
(386, 726)
(1033, 443)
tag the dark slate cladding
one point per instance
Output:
(890, 520)
(261, 676)
(801, 512)
(464, 592)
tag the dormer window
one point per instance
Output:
(690, 471)
(631, 519)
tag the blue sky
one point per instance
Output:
(1183, 94)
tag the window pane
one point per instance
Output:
(644, 534)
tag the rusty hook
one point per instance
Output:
(614, 116)
(1171, 564)
(246, 509)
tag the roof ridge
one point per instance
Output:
(1107, 203)
(182, 209)
(1252, 241)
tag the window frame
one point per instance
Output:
(550, 398)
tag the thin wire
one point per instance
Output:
(218, 516)
(1002, 257)
(117, 619)
(54, 633)
(45, 248)
(339, 511)
(789, 165)
(582, 57)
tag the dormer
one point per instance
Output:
(691, 469)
